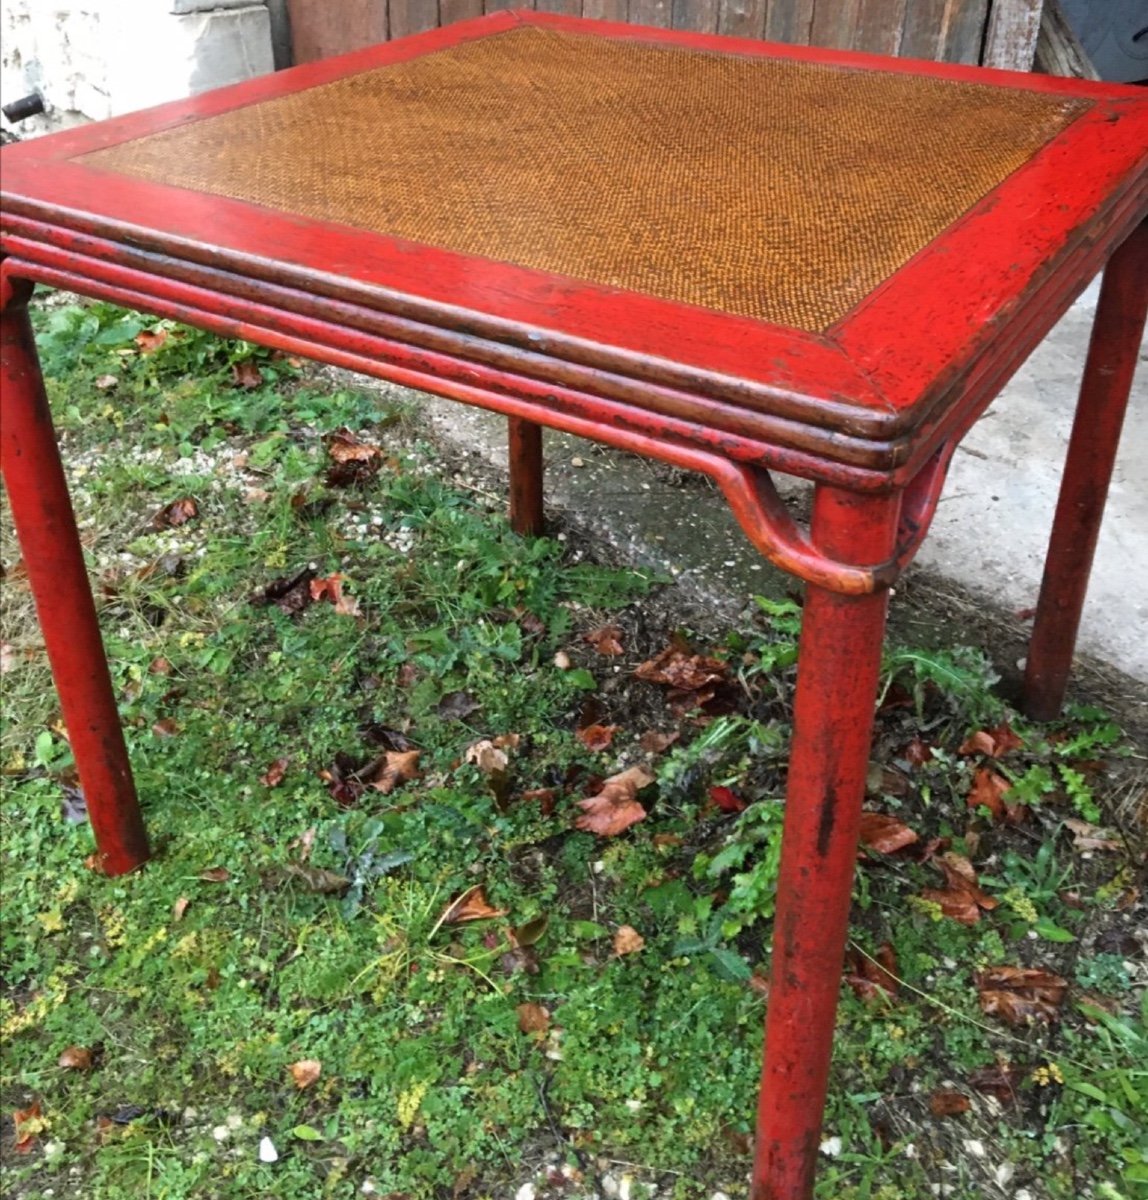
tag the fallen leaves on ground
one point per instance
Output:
(947, 1102)
(615, 808)
(1021, 995)
(532, 1018)
(695, 681)
(885, 834)
(246, 375)
(606, 640)
(1091, 837)
(472, 905)
(28, 1122)
(175, 514)
(314, 879)
(387, 772)
(492, 757)
(331, 588)
(917, 753)
(993, 743)
(150, 340)
(961, 898)
(274, 774)
(597, 737)
(353, 461)
(179, 908)
(545, 798)
(215, 875)
(654, 741)
(75, 1058)
(290, 593)
(456, 706)
(1000, 1081)
(165, 728)
(627, 940)
(881, 780)
(305, 1072)
(988, 791)
(7, 657)
(873, 977)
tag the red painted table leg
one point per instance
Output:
(525, 477)
(50, 543)
(838, 667)
(1112, 354)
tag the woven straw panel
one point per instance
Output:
(772, 189)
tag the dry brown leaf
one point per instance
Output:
(75, 1058)
(489, 758)
(945, 1102)
(615, 808)
(316, 879)
(150, 340)
(28, 1122)
(1091, 837)
(533, 1018)
(215, 875)
(917, 753)
(7, 657)
(395, 768)
(166, 728)
(988, 791)
(962, 898)
(1000, 1081)
(675, 667)
(344, 447)
(993, 743)
(1021, 995)
(305, 1072)
(175, 514)
(627, 940)
(246, 374)
(654, 741)
(472, 905)
(562, 661)
(885, 834)
(597, 737)
(106, 382)
(274, 774)
(607, 640)
(331, 588)
(179, 908)
(874, 977)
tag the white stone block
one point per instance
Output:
(181, 7)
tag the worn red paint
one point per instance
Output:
(50, 545)
(1112, 355)
(871, 411)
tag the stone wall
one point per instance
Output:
(91, 59)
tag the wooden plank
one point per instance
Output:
(412, 16)
(651, 12)
(965, 30)
(879, 26)
(698, 16)
(571, 8)
(1058, 49)
(790, 21)
(606, 10)
(458, 10)
(498, 5)
(834, 25)
(743, 18)
(1010, 41)
(926, 29)
(315, 35)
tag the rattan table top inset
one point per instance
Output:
(770, 188)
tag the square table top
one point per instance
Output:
(832, 239)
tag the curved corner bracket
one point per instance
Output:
(767, 523)
(14, 292)
(918, 507)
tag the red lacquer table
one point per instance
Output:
(730, 256)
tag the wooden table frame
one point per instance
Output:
(871, 411)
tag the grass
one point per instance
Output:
(296, 914)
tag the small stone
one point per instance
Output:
(974, 1147)
(267, 1151)
(525, 1192)
(577, 462)
(221, 1133)
(609, 1186)
(831, 1147)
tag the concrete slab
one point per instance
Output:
(986, 549)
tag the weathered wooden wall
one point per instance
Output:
(997, 32)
